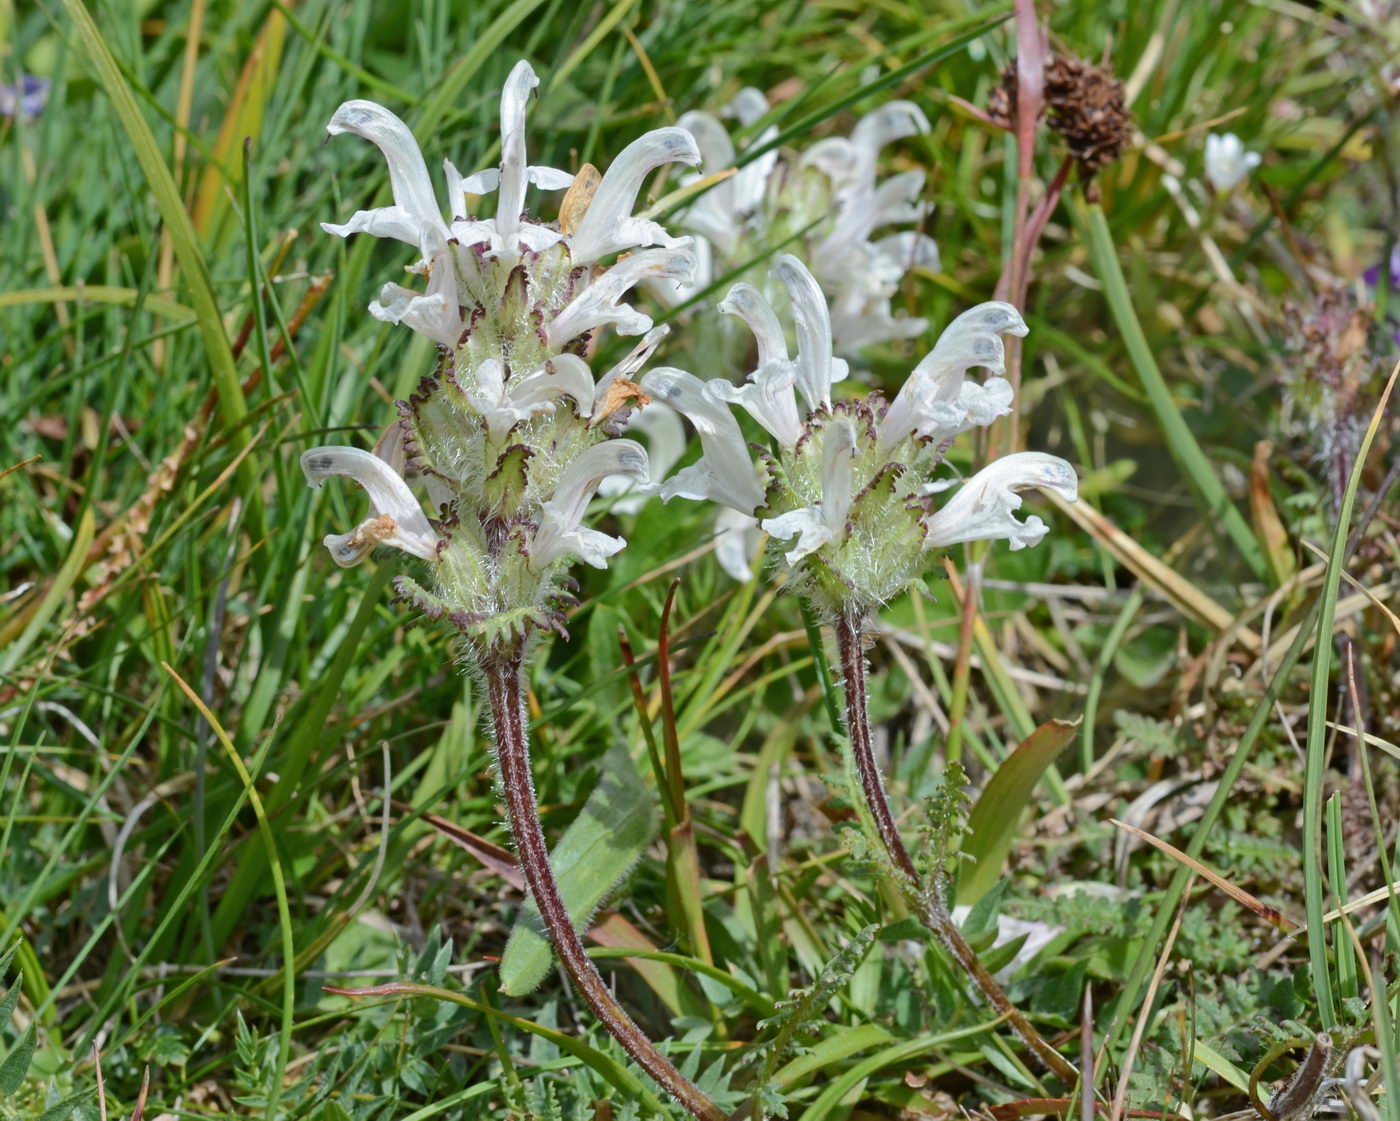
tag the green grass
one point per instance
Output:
(223, 756)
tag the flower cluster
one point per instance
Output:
(511, 436)
(827, 201)
(848, 483)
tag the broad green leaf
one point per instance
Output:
(993, 823)
(16, 1064)
(62, 1111)
(596, 852)
(7, 1005)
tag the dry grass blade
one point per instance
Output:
(1270, 915)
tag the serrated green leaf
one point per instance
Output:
(993, 823)
(16, 1064)
(596, 852)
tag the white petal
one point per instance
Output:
(482, 182)
(386, 221)
(536, 238)
(838, 447)
(579, 482)
(751, 180)
(892, 121)
(736, 539)
(550, 178)
(514, 97)
(908, 250)
(434, 313)
(806, 524)
(396, 517)
(836, 158)
(408, 174)
(711, 141)
(726, 472)
(608, 225)
(430, 315)
(984, 403)
(750, 305)
(983, 508)
(467, 234)
(665, 435)
(769, 398)
(748, 106)
(897, 200)
(695, 482)
(591, 546)
(564, 374)
(635, 360)
(459, 186)
(815, 368)
(598, 303)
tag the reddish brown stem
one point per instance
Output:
(513, 758)
(927, 901)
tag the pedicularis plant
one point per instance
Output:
(512, 434)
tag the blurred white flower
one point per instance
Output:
(831, 200)
(1227, 162)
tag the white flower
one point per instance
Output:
(396, 517)
(561, 531)
(415, 214)
(846, 482)
(771, 393)
(608, 226)
(503, 404)
(862, 273)
(824, 522)
(766, 200)
(508, 433)
(983, 507)
(461, 277)
(1227, 163)
(936, 402)
(725, 472)
(598, 304)
(722, 212)
(665, 436)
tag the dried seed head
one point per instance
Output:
(1087, 107)
(1084, 103)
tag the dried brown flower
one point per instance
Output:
(1084, 104)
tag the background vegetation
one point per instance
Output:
(175, 328)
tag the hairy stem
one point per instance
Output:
(513, 758)
(927, 900)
